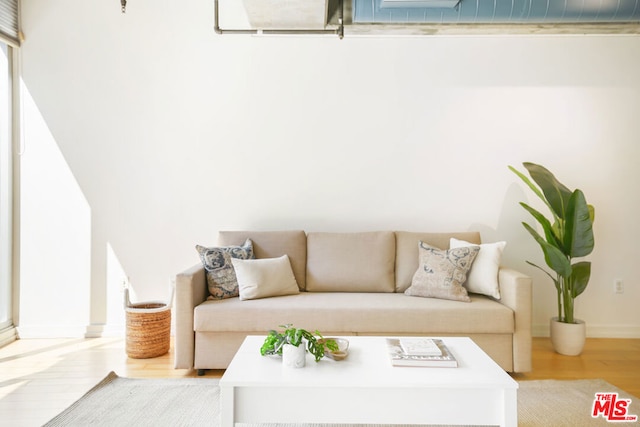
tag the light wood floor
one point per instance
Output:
(40, 378)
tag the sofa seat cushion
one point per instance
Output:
(356, 313)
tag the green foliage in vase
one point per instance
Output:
(275, 340)
(568, 234)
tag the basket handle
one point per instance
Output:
(127, 301)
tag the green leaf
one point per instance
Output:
(332, 345)
(530, 184)
(580, 277)
(556, 194)
(549, 230)
(553, 256)
(553, 279)
(271, 343)
(578, 236)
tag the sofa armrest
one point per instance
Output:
(191, 290)
(515, 290)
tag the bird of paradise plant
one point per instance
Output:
(568, 234)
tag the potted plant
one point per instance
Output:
(568, 234)
(289, 344)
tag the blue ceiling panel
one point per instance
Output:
(501, 11)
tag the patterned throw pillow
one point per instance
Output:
(221, 277)
(441, 273)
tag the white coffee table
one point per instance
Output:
(365, 388)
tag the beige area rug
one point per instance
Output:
(118, 401)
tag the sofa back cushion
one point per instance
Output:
(351, 262)
(407, 251)
(274, 244)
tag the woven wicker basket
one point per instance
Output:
(148, 329)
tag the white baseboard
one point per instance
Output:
(611, 331)
(595, 331)
(51, 331)
(8, 335)
(76, 331)
(94, 331)
(99, 331)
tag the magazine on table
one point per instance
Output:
(420, 346)
(399, 357)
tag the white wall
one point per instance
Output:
(173, 132)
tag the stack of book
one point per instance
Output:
(420, 352)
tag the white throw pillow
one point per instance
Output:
(266, 277)
(483, 276)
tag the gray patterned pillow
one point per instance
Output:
(441, 273)
(221, 277)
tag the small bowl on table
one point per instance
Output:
(343, 348)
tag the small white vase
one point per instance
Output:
(292, 356)
(568, 338)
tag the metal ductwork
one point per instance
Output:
(292, 14)
(495, 11)
(288, 17)
(424, 17)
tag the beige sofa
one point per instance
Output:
(350, 284)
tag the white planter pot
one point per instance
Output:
(568, 338)
(292, 356)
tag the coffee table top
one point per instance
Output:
(368, 365)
